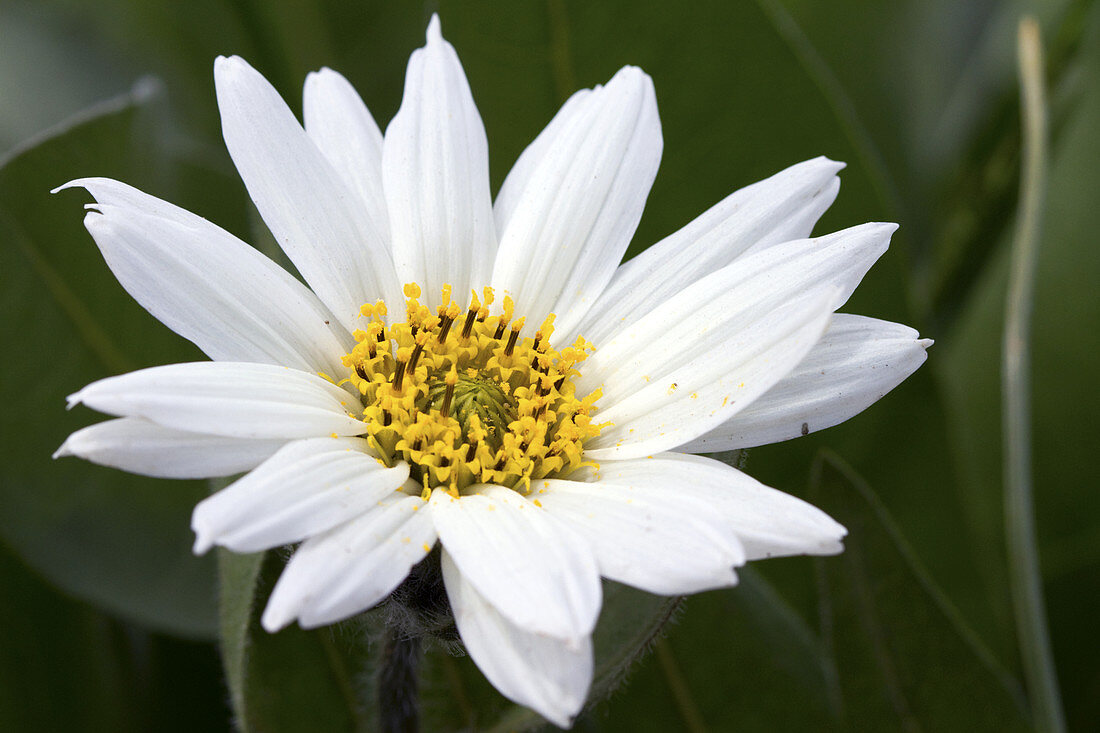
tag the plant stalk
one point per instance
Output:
(398, 696)
(1023, 555)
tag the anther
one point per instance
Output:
(360, 371)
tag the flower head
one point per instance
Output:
(486, 377)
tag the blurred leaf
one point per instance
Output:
(60, 663)
(65, 666)
(1066, 358)
(48, 70)
(119, 541)
(293, 680)
(904, 655)
(891, 652)
(746, 659)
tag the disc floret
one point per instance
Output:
(464, 399)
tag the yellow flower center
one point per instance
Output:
(464, 400)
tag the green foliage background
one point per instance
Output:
(108, 621)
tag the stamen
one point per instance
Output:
(516, 328)
(468, 326)
(421, 339)
(444, 327)
(399, 371)
(452, 380)
(479, 408)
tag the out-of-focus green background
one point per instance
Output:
(108, 623)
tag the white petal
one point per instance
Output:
(545, 674)
(342, 127)
(352, 567)
(572, 211)
(227, 398)
(735, 366)
(139, 446)
(857, 362)
(769, 523)
(315, 217)
(647, 537)
(207, 285)
(536, 571)
(755, 317)
(777, 209)
(435, 164)
(307, 487)
(515, 184)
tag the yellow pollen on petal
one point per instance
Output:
(463, 398)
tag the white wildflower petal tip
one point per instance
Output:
(574, 199)
(207, 285)
(352, 567)
(435, 164)
(675, 402)
(776, 210)
(139, 446)
(342, 127)
(544, 673)
(856, 363)
(224, 398)
(737, 332)
(307, 487)
(767, 522)
(537, 572)
(305, 203)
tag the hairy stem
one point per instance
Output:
(398, 699)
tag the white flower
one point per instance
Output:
(537, 459)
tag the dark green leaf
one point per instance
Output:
(117, 540)
(294, 680)
(904, 656)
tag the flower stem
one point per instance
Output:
(398, 700)
(1023, 555)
